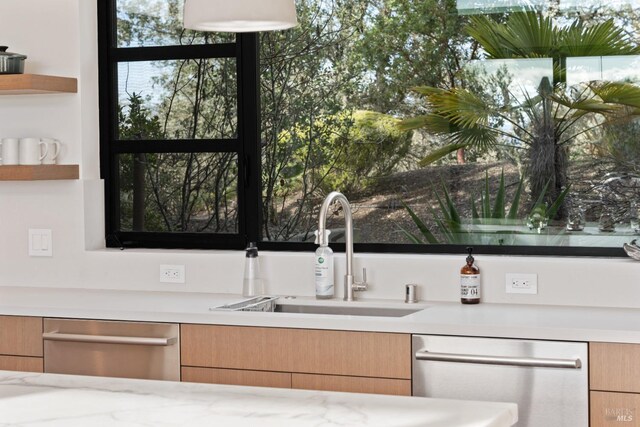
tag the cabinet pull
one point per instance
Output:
(109, 339)
(532, 362)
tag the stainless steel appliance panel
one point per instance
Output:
(548, 380)
(112, 349)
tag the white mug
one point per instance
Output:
(53, 151)
(9, 154)
(32, 151)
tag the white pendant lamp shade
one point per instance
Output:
(239, 16)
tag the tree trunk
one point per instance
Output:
(139, 195)
(548, 164)
(547, 159)
(460, 156)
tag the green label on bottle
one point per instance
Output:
(320, 260)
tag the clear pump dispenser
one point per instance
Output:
(252, 284)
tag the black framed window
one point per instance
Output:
(179, 120)
(215, 140)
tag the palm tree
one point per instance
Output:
(545, 123)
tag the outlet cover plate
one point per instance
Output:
(172, 273)
(520, 283)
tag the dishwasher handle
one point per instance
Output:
(109, 339)
(531, 362)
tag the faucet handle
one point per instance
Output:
(361, 286)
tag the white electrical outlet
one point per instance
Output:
(517, 283)
(172, 274)
(40, 242)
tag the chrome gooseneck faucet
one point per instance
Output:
(350, 286)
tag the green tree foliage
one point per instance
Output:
(136, 123)
(350, 141)
(345, 56)
(546, 122)
(374, 146)
(305, 80)
(408, 43)
(182, 99)
(621, 146)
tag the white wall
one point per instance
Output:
(59, 36)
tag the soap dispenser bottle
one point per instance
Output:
(324, 268)
(470, 281)
(252, 284)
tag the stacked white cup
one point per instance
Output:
(9, 151)
(32, 151)
(53, 151)
(29, 151)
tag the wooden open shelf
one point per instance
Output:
(29, 84)
(39, 172)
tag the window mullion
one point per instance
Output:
(176, 146)
(249, 135)
(160, 53)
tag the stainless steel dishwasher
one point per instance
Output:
(547, 379)
(112, 349)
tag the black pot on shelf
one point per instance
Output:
(11, 63)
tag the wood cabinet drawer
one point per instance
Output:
(614, 367)
(236, 377)
(24, 364)
(351, 384)
(21, 336)
(614, 409)
(364, 354)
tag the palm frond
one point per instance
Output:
(454, 216)
(515, 205)
(480, 138)
(486, 199)
(434, 123)
(598, 39)
(543, 193)
(410, 236)
(584, 106)
(440, 153)
(617, 93)
(498, 206)
(420, 224)
(523, 35)
(555, 207)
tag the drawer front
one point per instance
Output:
(236, 377)
(24, 364)
(614, 409)
(21, 336)
(112, 349)
(352, 384)
(364, 354)
(615, 367)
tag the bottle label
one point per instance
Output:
(324, 279)
(470, 286)
(324, 290)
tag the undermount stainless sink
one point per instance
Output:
(346, 311)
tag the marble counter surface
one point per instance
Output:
(73, 401)
(485, 320)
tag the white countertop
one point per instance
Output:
(487, 320)
(68, 400)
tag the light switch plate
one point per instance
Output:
(40, 242)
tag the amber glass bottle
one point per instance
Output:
(470, 281)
